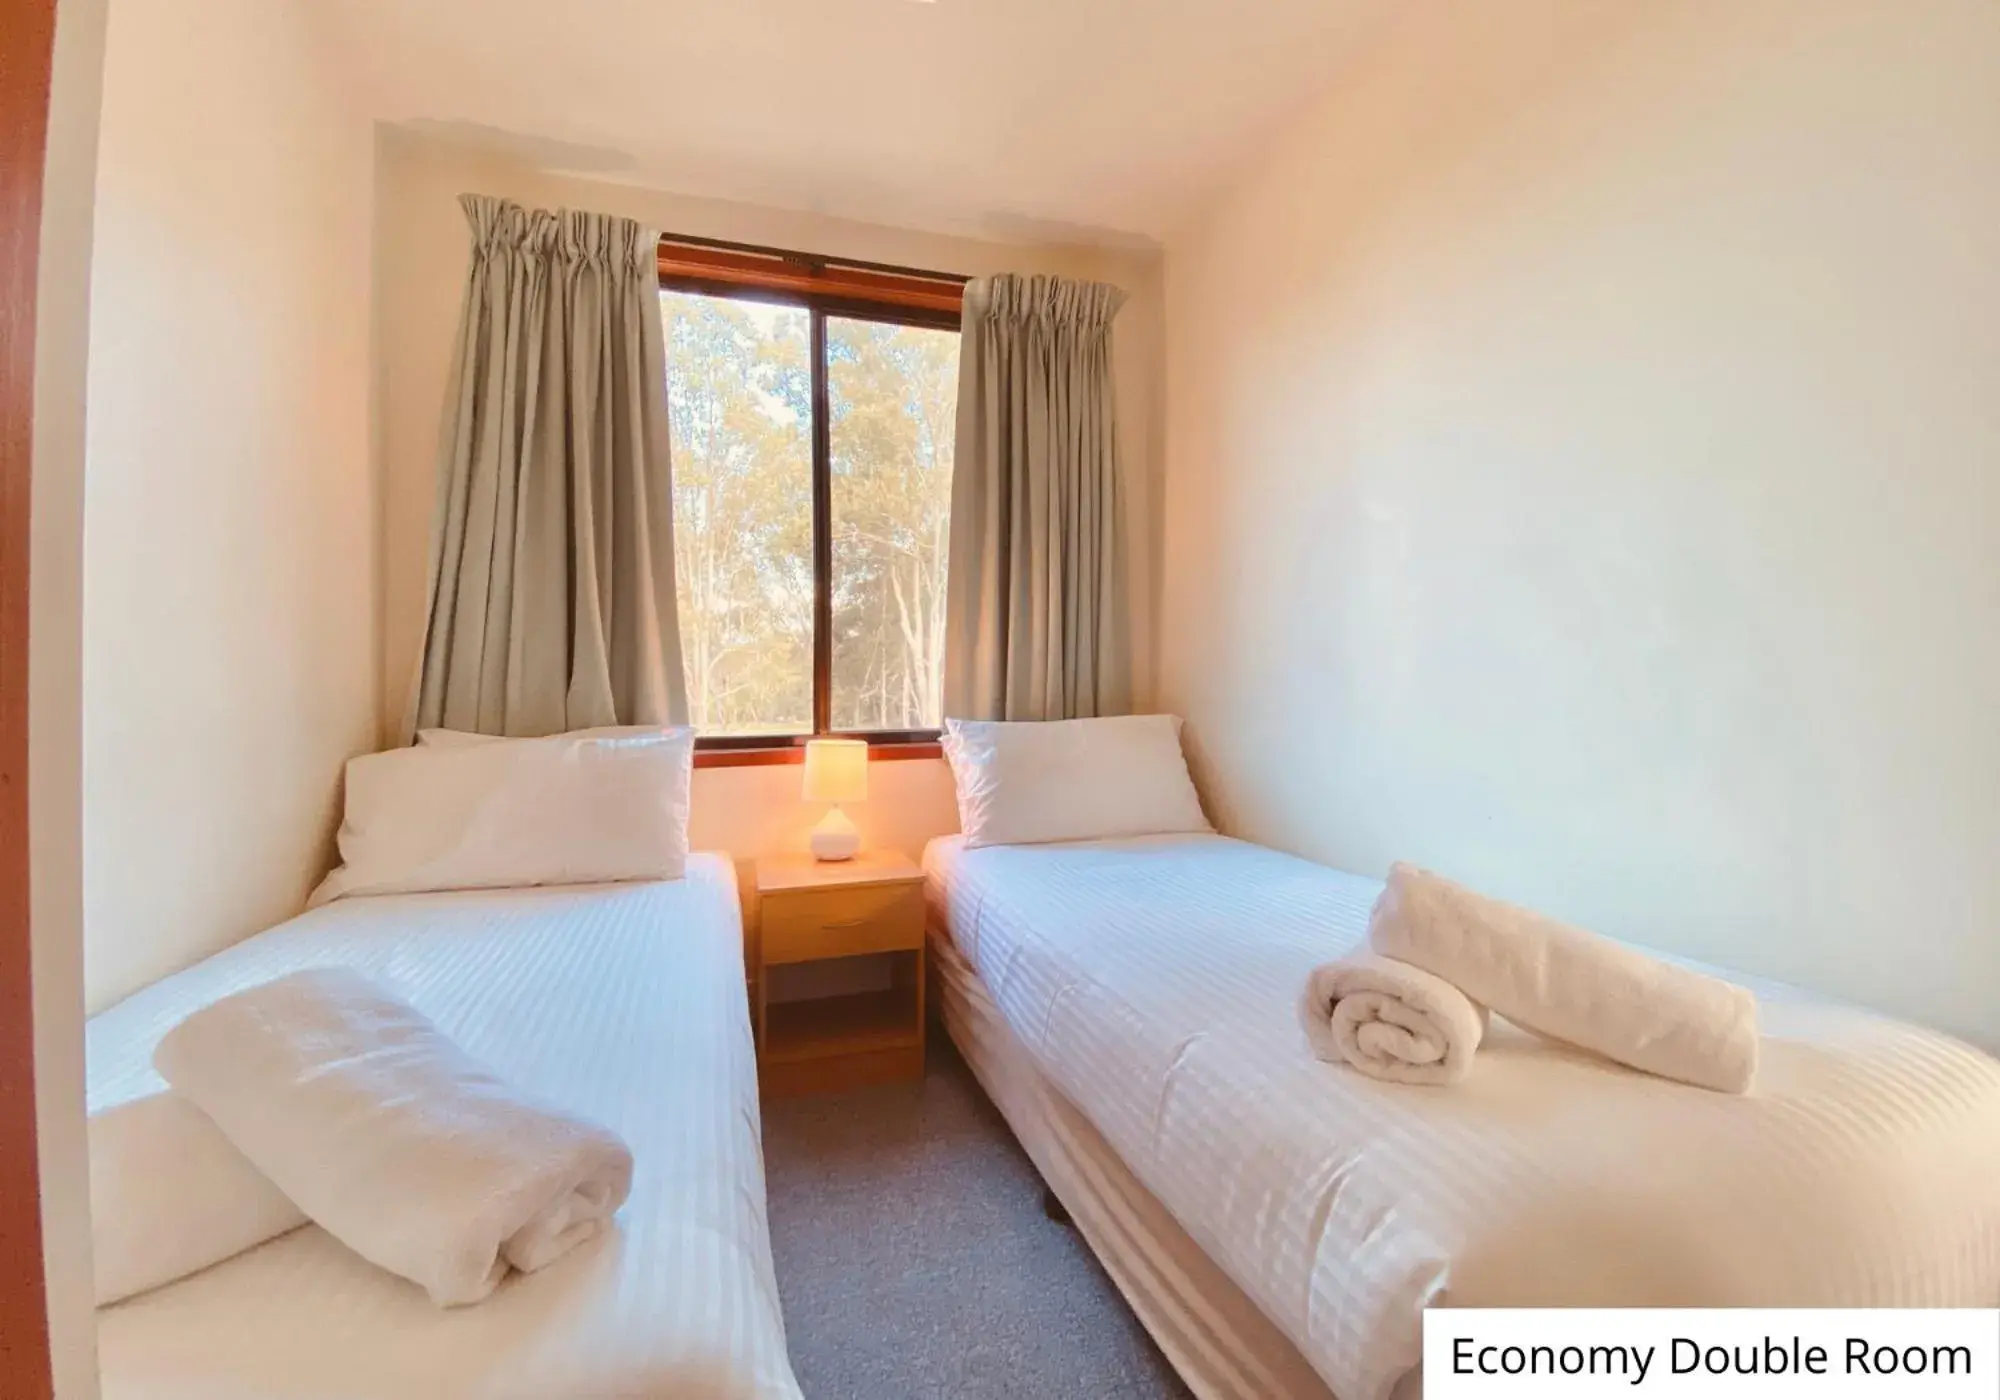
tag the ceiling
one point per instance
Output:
(1021, 120)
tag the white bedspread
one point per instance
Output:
(1156, 982)
(624, 1003)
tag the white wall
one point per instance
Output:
(1585, 479)
(750, 811)
(55, 688)
(421, 252)
(230, 657)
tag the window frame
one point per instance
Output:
(821, 287)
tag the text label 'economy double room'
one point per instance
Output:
(1719, 1354)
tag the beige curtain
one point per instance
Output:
(552, 549)
(1035, 599)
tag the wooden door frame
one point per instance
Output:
(27, 46)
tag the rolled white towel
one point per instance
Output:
(169, 1195)
(1570, 985)
(1391, 1020)
(390, 1137)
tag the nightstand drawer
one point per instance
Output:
(832, 922)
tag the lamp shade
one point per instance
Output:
(836, 770)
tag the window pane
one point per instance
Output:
(739, 397)
(893, 394)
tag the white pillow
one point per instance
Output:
(170, 1195)
(571, 809)
(460, 738)
(1070, 779)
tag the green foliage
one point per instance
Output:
(893, 393)
(739, 397)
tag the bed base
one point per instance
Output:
(1210, 1332)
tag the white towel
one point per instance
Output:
(1391, 1020)
(390, 1137)
(169, 1195)
(1570, 985)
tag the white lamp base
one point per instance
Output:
(835, 838)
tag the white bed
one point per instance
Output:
(624, 1003)
(1153, 983)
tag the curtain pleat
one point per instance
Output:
(551, 603)
(1035, 600)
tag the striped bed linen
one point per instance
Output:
(1155, 983)
(624, 1003)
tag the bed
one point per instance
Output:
(1280, 1224)
(621, 1002)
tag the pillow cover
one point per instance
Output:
(170, 1195)
(489, 813)
(1070, 779)
(460, 738)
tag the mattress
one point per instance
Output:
(1222, 1346)
(1155, 983)
(624, 1003)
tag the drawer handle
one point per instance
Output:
(845, 923)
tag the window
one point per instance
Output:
(813, 410)
(892, 410)
(740, 404)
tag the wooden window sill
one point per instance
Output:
(796, 753)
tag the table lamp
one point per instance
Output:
(836, 772)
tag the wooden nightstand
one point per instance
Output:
(813, 911)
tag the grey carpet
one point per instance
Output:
(914, 1260)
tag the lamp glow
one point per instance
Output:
(836, 772)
